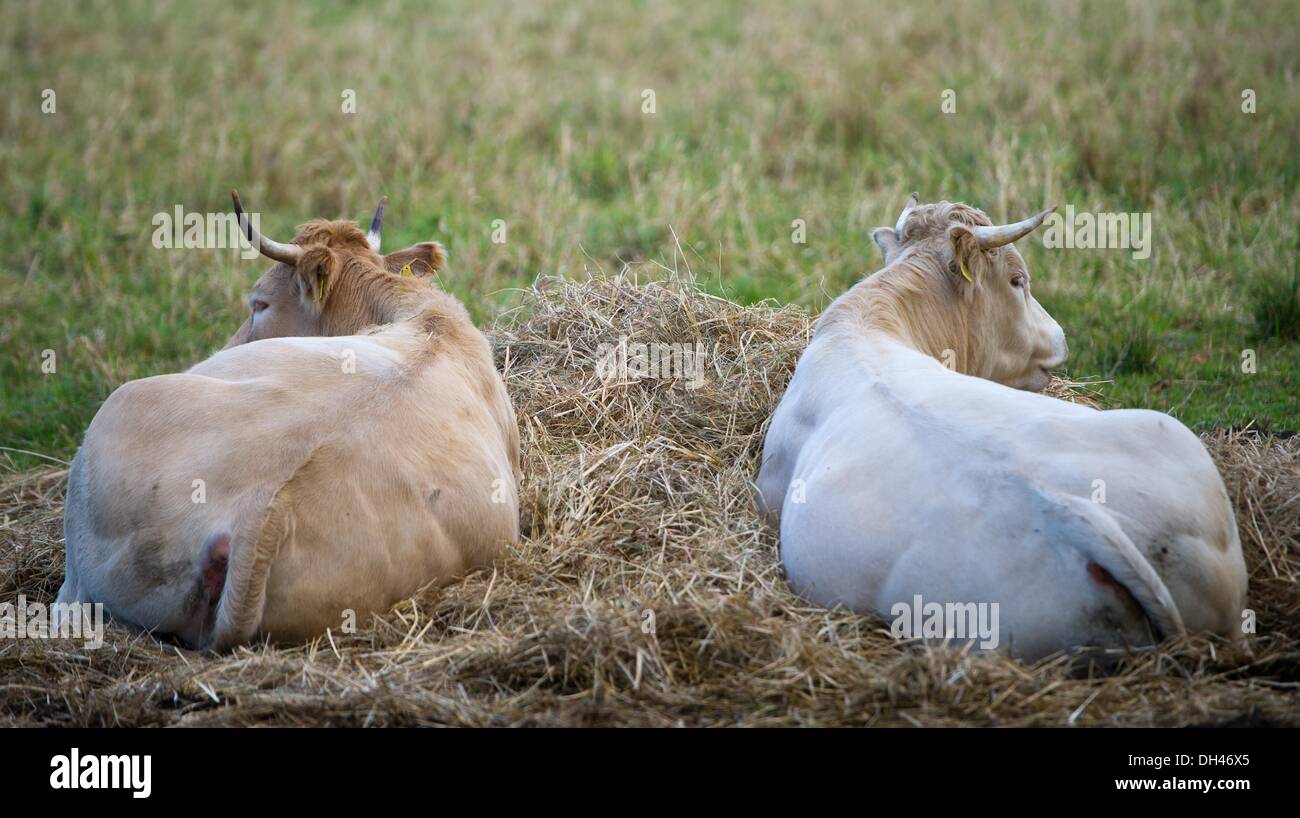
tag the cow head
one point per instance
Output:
(330, 280)
(971, 292)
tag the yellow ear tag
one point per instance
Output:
(406, 270)
(964, 274)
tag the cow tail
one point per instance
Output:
(243, 598)
(1117, 554)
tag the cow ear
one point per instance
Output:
(315, 273)
(886, 238)
(423, 259)
(967, 257)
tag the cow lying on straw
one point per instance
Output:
(287, 484)
(897, 481)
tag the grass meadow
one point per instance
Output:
(521, 136)
(764, 113)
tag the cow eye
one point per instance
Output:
(1017, 280)
(258, 305)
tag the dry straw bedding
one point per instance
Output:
(645, 590)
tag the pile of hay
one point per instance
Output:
(645, 591)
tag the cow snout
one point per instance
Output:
(1060, 350)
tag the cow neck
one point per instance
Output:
(873, 354)
(898, 310)
(382, 299)
(865, 363)
(424, 304)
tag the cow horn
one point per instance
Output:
(997, 235)
(912, 202)
(274, 250)
(377, 225)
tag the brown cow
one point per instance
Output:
(352, 443)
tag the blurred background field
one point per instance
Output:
(765, 113)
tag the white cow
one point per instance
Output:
(290, 484)
(895, 479)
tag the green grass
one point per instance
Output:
(766, 113)
(1275, 303)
